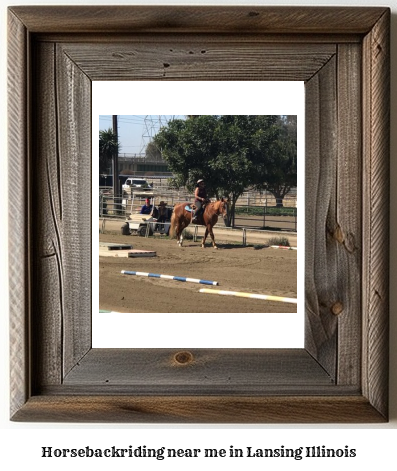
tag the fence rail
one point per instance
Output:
(253, 209)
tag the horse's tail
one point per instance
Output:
(173, 225)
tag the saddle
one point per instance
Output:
(190, 207)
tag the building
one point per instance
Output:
(142, 164)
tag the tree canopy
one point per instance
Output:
(277, 172)
(108, 147)
(152, 152)
(231, 153)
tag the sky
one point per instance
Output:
(191, 97)
(135, 131)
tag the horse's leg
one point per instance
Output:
(212, 237)
(180, 236)
(181, 226)
(177, 233)
(204, 238)
(184, 225)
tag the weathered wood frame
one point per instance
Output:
(343, 56)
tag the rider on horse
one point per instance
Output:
(200, 197)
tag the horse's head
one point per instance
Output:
(222, 208)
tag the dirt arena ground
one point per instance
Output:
(253, 269)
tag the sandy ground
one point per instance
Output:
(222, 233)
(252, 269)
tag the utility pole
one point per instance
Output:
(115, 162)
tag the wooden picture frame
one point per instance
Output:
(342, 54)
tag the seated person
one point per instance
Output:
(147, 207)
(162, 212)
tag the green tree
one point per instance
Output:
(277, 173)
(229, 152)
(152, 152)
(108, 146)
(244, 141)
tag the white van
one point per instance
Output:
(136, 183)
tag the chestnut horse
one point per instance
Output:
(181, 218)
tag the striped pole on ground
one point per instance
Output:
(169, 277)
(283, 247)
(265, 297)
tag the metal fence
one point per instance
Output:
(253, 210)
(267, 215)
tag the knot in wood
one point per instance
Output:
(183, 358)
(338, 235)
(337, 308)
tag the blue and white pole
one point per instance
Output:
(170, 277)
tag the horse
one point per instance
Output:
(181, 218)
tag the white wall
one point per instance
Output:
(374, 443)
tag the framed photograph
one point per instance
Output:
(342, 55)
(135, 310)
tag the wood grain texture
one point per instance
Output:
(333, 215)
(47, 295)
(376, 105)
(62, 255)
(346, 228)
(229, 370)
(321, 278)
(193, 19)
(199, 409)
(341, 376)
(74, 180)
(19, 227)
(204, 59)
